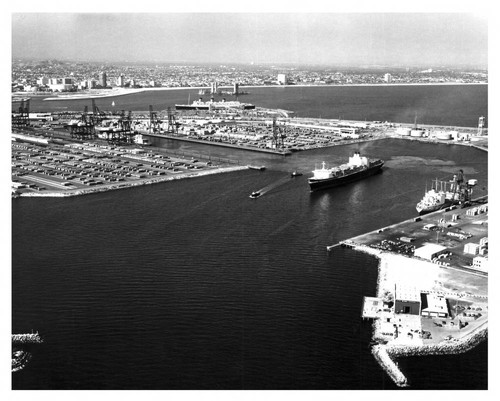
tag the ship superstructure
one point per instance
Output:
(213, 105)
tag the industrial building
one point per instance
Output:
(480, 263)
(471, 248)
(430, 251)
(407, 300)
(434, 305)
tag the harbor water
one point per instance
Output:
(191, 284)
(453, 105)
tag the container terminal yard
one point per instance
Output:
(74, 168)
(432, 295)
(72, 153)
(258, 129)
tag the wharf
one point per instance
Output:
(426, 279)
(82, 168)
(216, 143)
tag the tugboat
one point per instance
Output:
(356, 169)
(296, 174)
(255, 194)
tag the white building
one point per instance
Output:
(61, 84)
(429, 251)
(120, 81)
(388, 78)
(480, 263)
(42, 81)
(471, 248)
(436, 306)
(282, 79)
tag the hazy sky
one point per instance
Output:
(322, 38)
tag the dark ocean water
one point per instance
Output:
(193, 285)
(454, 105)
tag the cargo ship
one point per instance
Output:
(213, 105)
(446, 193)
(356, 169)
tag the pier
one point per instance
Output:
(220, 143)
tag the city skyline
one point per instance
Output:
(356, 39)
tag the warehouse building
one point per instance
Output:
(430, 251)
(434, 305)
(471, 248)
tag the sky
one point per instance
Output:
(411, 38)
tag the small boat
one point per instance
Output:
(255, 194)
(296, 174)
(260, 168)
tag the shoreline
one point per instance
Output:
(106, 188)
(123, 91)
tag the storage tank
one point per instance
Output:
(443, 135)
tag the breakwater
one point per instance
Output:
(386, 354)
(30, 338)
(19, 360)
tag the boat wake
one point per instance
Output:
(271, 186)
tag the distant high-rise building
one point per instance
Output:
(90, 84)
(282, 79)
(235, 88)
(388, 78)
(42, 81)
(214, 88)
(480, 126)
(102, 79)
(120, 81)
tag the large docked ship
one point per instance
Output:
(213, 105)
(356, 169)
(446, 193)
